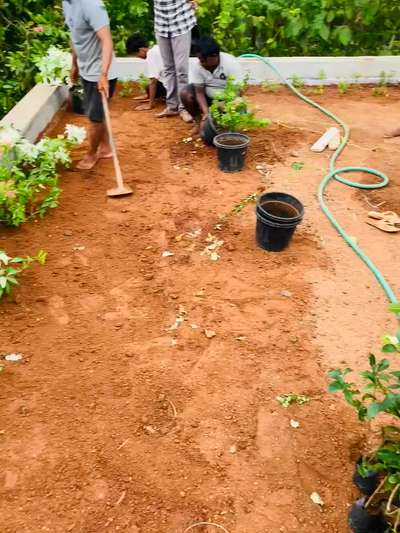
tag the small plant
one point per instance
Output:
(12, 267)
(244, 202)
(343, 87)
(229, 109)
(143, 82)
(29, 172)
(380, 90)
(321, 89)
(297, 165)
(379, 393)
(297, 81)
(54, 67)
(270, 86)
(127, 89)
(289, 399)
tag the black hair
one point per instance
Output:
(135, 42)
(207, 46)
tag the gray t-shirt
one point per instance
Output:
(84, 18)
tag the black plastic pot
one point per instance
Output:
(361, 521)
(77, 103)
(209, 131)
(232, 150)
(278, 215)
(280, 207)
(368, 484)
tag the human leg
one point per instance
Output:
(181, 52)
(167, 55)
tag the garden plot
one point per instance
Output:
(146, 396)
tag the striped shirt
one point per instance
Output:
(173, 17)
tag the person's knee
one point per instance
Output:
(187, 95)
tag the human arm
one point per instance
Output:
(74, 67)
(152, 96)
(202, 101)
(104, 36)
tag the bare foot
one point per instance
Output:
(87, 163)
(393, 133)
(168, 113)
(104, 154)
(141, 98)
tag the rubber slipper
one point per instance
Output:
(383, 225)
(389, 216)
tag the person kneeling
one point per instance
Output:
(208, 77)
(138, 46)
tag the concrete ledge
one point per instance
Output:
(33, 113)
(350, 69)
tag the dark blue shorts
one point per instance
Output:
(93, 102)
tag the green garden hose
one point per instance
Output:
(335, 173)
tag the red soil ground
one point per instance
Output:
(115, 421)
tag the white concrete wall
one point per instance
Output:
(352, 69)
(34, 112)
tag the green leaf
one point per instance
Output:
(345, 35)
(373, 409)
(297, 165)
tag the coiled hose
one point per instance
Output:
(336, 174)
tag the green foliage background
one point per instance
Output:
(270, 27)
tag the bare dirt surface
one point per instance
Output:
(123, 418)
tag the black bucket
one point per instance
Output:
(361, 521)
(209, 131)
(232, 150)
(278, 215)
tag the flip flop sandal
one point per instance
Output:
(383, 225)
(388, 216)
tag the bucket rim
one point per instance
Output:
(244, 144)
(275, 196)
(276, 224)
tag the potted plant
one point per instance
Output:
(229, 117)
(378, 472)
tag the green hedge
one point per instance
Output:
(271, 27)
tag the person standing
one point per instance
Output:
(93, 61)
(173, 23)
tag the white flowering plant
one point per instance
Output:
(54, 67)
(29, 172)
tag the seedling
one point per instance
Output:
(343, 87)
(297, 165)
(270, 86)
(127, 89)
(244, 202)
(12, 267)
(297, 81)
(320, 89)
(289, 399)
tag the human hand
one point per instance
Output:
(103, 85)
(194, 4)
(144, 107)
(74, 73)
